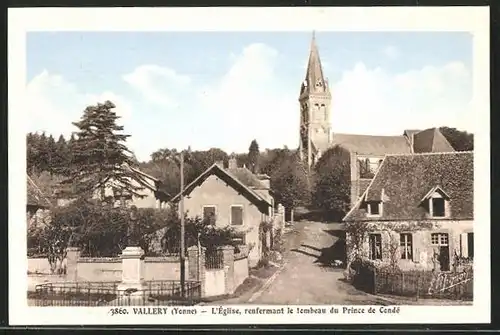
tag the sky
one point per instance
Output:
(224, 89)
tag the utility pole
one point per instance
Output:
(183, 269)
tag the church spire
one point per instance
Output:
(315, 80)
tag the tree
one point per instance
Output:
(332, 190)
(459, 140)
(290, 183)
(99, 154)
(253, 157)
(196, 230)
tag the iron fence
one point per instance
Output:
(214, 259)
(87, 294)
(426, 284)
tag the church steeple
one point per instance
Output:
(315, 102)
(314, 81)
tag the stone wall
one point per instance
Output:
(220, 281)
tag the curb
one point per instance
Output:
(266, 284)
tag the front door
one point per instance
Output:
(444, 258)
(441, 241)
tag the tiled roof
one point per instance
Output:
(35, 196)
(371, 144)
(431, 140)
(363, 185)
(403, 180)
(229, 178)
(246, 176)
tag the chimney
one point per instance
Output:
(232, 164)
(265, 180)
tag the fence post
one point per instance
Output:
(418, 284)
(72, 256)
(228, 263)
(196, 266)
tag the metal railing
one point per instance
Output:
(214, 259)
(86, 294)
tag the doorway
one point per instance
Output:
(441, 241)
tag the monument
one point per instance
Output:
(132, 260)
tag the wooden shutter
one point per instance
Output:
(464, 252)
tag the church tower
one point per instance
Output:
(315, 102)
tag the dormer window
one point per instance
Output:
(374, 208)
(437, 202)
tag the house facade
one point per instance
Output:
(151, 194)
(37, 204)
(235, 197)
(418, 212)
(366, 151)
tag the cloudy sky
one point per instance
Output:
(215, 89)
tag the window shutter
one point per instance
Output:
(464, 252)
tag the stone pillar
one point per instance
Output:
(196, 266)
(132, 270)
(228, 261)
(72, 256)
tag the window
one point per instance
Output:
(406, 244)
(375, 241)
(236, 215)
(209, 213)
(438, 207)
(439, 239)
(374, 208)
(467, 245)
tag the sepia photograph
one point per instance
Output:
(188, 172)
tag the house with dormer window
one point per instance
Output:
(421, 207)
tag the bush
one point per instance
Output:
(196, 230)
(99, 230)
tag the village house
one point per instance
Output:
(418, 210)
(235, 197)
(37, 204)
(366, 151)
(152, 195)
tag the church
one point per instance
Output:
(366, 151)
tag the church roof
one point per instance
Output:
(431, 140)
(372, 144)
(314, 73)
(403, 180)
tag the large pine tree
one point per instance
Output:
(100, 154)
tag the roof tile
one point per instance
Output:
(405, 179)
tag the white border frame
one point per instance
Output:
(22, 20)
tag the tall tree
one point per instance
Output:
(99, 154)
(253, 157)
(51, 155)
(332, 183)
(290, 183)
(459, 140)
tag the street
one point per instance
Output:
(306, 278)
